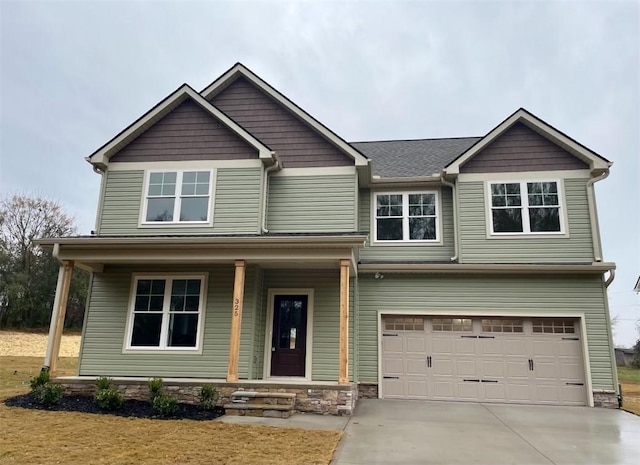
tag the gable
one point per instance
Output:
(188, 132)
(297, 145)
(520, 148)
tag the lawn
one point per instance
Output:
(630, 380)
(36, 437)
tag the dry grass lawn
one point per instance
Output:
(41, 437)
(630, 380)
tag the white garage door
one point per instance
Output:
(530, 360)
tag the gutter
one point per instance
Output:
(593, 268)
(612, 276)
(593, 215)
(277, 166)
(454, 201)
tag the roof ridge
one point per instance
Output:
(414, 140)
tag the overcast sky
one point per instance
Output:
(73, 74)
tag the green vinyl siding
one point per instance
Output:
(236, 206)
(259, 326)
(326, 315)
(312, 203)
(481, 295)
(104, 331)
(407, 251)
(477, 247)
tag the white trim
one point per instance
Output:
(405, 218)
(520, 175)
(240, 69)
(266, 369)
(142, 221)
(319, 171)
(536, 124)
(524, 207)
(183, 165)
(498, 313)
(135, 277)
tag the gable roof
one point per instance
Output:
(413, 158)
(100, 158)
(240, 70)
(597, 163)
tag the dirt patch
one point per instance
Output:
(21, 344)
(631, 397)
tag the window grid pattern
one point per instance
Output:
(404, 323)
(405, 217)
(178, 196)
(502, 325)
(553, 326)
(452, 324)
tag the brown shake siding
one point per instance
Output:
(522, 149)
(187, 133)
(297, 145)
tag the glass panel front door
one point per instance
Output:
(289, 341)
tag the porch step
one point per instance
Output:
(261, 404)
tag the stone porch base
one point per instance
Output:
(319, 398)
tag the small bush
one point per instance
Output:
(48, 394)
(155, 388)
(40, 380)
(103, 383)
(208, 397)
(635, 361)
(165, 405)
(109, 399)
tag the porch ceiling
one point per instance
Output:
(296, 251)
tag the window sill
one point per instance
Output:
(179, 224)
(405, 243)
(172, 351)
(546, 235)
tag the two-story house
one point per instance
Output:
(241, 242)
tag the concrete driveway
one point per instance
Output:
(410, 432)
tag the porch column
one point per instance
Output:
(57, 317)
(343, 377)
(236, 321)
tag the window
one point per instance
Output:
(501, 325)
(178, 196)
(166, 312)
(553, 326)
(452, 324)
(406, 217)
(525, 207)
(400, 323)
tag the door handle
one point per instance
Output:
(429, 361)
(273, 349)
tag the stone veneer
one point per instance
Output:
(368, 391)
(605, 398)
(310, 398)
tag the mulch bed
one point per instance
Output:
(130, 408)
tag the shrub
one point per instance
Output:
(48, 394)
(165, 405)
(103, 383)
(109, 399)
(155, 388)
(208, 397)
(40, 380)
(635, 361)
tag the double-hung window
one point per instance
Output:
(166, 312)
(525, 207)
(406, 217)
(178, 197)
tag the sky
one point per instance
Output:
(73, 74)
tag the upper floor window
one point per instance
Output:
(166, 312)
(408, 216)
(525, 207)
(178, 197)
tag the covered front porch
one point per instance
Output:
(274, 315)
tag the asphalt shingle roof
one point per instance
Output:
(409, 158)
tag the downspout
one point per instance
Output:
(454, 201)
(96, 228)
(612, 276)
(277, 166)
(593, 215)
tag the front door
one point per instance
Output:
(289, 340)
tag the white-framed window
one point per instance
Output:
(178, 196)
(166, 312)
(525, 207)
(406, 216)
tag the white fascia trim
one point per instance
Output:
(183, 165)
(595, 161)
(595, 268)
(101, 157)
(359, 159)
(319, 171)
(525, 175)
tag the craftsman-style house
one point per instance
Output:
(241, 242)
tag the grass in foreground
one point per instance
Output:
(630, 380)
(36, 437)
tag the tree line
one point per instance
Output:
(28, 273)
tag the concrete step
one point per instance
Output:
(259, 410)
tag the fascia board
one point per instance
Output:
(239, 69)
(595, 161)
(595, 268)
(101, 156)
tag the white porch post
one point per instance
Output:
(343, 377)
(236, 322)
(57, 317)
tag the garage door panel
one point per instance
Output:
(466, 367)
(416, 367)
(442, 367)
(546, 370)
(393, 388)
(442, 346)
(415, 345)
(548, 394)
(392, 344)
(393, 366)
(417, 389)
(570, 371)
(517, 369)
(491, 347)
(493, 368)
(573, 395)
(516, 347)
(468, 391)
(443, 390)
(568, 349)
(519, 392)
(465, 346)
(543, 348)
(494, 392)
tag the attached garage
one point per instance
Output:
(483, 359)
